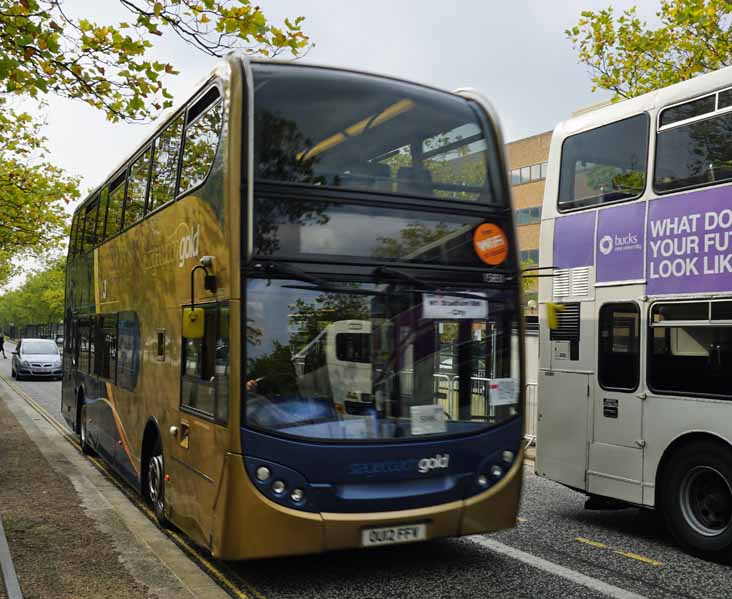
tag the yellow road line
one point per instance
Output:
(640, 558)
(211, 569)
(592, 543)
(635, 556)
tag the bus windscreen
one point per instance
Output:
(330, 128)
(377, 361)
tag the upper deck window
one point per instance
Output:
(603, 165)
(694, 154)
(331, 128)
(687, 110)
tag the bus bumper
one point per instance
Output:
(255, 527)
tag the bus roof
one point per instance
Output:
(648, 102)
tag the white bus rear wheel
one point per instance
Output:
(697, 499)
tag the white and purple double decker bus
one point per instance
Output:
(635, 375)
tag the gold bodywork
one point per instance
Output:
(256, 527)
(208, 493)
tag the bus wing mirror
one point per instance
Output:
(193, 323)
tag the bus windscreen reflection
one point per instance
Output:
(334, 365)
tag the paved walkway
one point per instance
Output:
(72, 532)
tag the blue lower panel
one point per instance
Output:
(344, 478)
(104, 436)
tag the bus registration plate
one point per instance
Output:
(390, 535)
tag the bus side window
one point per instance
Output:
(137, 188)
(203, 127)
(105, 342)
(102, 215)
(90, 224)
(205, 366)
(74, 234)
(165, 165)
(128, 350)
(84, 345)
(116, 203)
(619, 350)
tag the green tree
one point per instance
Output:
(629, 58)
(46, 50)
(39, 300)
(33, 192)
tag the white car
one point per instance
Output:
(38, 358)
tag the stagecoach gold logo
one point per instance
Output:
(188, 245)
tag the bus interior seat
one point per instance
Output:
(414, 180)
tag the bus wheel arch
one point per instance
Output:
(694, 493)
(152, 471)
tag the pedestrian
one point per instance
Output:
(2, 345)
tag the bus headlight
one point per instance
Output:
(496, 471)
(297, 495)
(483, 480)
(507, 456)
(278, 487)
(263, 473)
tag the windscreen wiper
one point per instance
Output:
(277, 268)
(423, 285)
(316, 283)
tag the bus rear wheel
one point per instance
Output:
(697, 499)
(84, 430)
(155, 490)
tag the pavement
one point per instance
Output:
(558, 549)
(71, 532)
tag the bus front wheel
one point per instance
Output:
(156, 483)
(697, 499)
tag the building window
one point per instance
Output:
(527, 174)
(619, 351)
(528, 216)
(529, 256)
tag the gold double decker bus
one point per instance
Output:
(292, 315)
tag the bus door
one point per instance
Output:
(616, 451)
(200, 440)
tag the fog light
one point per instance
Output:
(496, 471)
(507, 456)
(263, 473)
(483, 480)
(297, 495)
(278, 487)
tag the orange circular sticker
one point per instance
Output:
(490, 243)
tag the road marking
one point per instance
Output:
(555, 569)
(631, 555)
(590, 542)
(214, 572)
(640, 558)
(7, 570)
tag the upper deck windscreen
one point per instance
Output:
(332, 128)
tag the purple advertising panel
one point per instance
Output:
(620, 238)
(574, 240)
(689, 242)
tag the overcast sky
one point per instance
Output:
(514, 52)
